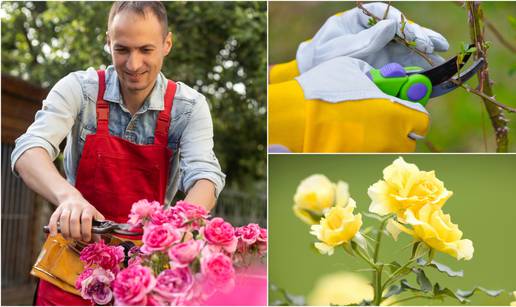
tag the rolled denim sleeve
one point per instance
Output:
(53, 122)
(198, 161)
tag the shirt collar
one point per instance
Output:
(153, 102)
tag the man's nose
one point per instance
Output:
(134, 62)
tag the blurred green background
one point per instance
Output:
(483, 206)
(459, 122)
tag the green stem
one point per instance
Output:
(393, 275)
(366, 259)
(378, 289)
(379, 236)
(409, 298)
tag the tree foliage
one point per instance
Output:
(219, 49)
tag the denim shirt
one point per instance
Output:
(70, 111)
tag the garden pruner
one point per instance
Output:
(418, 85)
(104, 227)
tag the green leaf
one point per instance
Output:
(423, 280)
(404, 284)
(348, 249)
(288, 299)
(441, 292)
(371, 22)
(393, 266)
(468, 293)
(440, 267)
(393, 290)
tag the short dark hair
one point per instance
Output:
(139, 7)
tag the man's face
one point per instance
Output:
(137, 49)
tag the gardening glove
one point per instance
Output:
(335, 107)
(349, 34)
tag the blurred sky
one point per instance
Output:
(483, 206)
(458, 120)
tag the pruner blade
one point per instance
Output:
(453, 83)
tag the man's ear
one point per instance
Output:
(107, 47)
(168, 43)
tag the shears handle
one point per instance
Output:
(393, 79)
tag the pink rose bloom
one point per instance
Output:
(159, 238)
(155, 300)
(85, 274)
(105, 256)
(97, 287)
(183, 254)
(221, 233)
(176, 217)
(141, 212)
(248, 234)
(218, 270)
(191, 211)
(174, 283)
(160, 217)
(132, 285)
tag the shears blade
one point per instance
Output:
(443, 72)
(453, 83)
(104, 227)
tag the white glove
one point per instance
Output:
(348, 34)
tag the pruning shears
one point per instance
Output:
(105, 227)
(418, 85)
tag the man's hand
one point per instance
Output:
(74, 215)
(73, 212)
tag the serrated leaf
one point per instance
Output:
(441, 268)
(423, 280)
(404, 284)
(439, 292)
(468, 293)
(393, 290)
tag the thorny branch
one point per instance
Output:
(397, 38)
(494, 108)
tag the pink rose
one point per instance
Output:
(160, 217)
(132, 285)
(221, 233)
(141, 212)
(217, 269)
(159, 238)
(85, 274)
(97, 287)
(191, 211)
(249, 233)
(105, 256)
(183, 253)
(174, 283)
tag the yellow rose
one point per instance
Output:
(342, 288)
(436, 229)
(513, 294)
(316, 194)
(406, 187)
(338, 226)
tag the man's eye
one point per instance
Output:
(147, 50)
(120, 50)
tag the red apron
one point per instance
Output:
(113, 173)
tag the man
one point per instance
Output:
(131, 134)
(323, 100)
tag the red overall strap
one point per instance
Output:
(102, 105)
(163, 122)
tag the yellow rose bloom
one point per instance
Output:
(513, 294)
(404, 187)
(341, 288)
(338, 226)
(316, 194)
(436, 229)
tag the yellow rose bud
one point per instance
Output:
(406, 187)
(338, 226)
(316, 194)
(436, 229)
